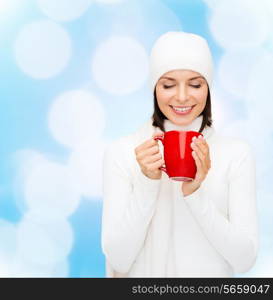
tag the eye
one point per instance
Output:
(167, 86)
(196, 86)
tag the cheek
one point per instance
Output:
(201, 97)
(163, 98)
(163, 104)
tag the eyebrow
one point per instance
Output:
(170, 78)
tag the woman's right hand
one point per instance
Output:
(149, 157)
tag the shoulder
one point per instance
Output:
(230, 156)
(233, 147)
(231, 143)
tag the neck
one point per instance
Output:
(195, 125)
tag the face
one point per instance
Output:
(181, 95)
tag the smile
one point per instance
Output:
(182, 110)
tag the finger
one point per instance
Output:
(205, 144)
(202, 145)
(202, 159)
(147, 144)
(199, 152)
(200, 175)
(197, 161)
(196, 147)
(208, 154)
(155, 165)
(150, 151)
(200, 139)
(204, 155)
(152, 158)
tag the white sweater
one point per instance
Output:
(149, 229)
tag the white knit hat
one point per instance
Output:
(180, 50)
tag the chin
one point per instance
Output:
(181, 121)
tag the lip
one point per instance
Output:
(182, 112)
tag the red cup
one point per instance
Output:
(179, 162)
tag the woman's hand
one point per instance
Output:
(149, 158)
(202, 160)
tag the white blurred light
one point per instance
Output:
(212, 4)
(133, 19)
(221, 112)
(5, 268)
(259, 90)
(7, 246)
(24, 161)
(61, 269)
(4, 5)
(269, 7)
(10, 6)
(120, 65)
(263, 266)
(265, 206)
(265, 222)
(44, 242)
(25, 269)
(251, 131)
(63, 10)
(239, 24)
(259, 109)
(75, 117)
(236, 129)
(266, 181)
(42, 49)
(248, 129)
(86, 164)
(7, 237)
(50, 190)
(235, 68)
(109, 1)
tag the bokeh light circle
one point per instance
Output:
(237, 24)
(63, 10)
(75, 117)
(120, 65)
(42, 49)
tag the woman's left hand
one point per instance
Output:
(202, 160)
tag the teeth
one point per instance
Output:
(182, 109)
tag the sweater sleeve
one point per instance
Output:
(128, 206)
(235, 237)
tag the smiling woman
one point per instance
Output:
(181, 93)
(155, 227)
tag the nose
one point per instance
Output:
(181, 94)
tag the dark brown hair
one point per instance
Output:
(158, 117)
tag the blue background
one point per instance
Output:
(27, 99)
